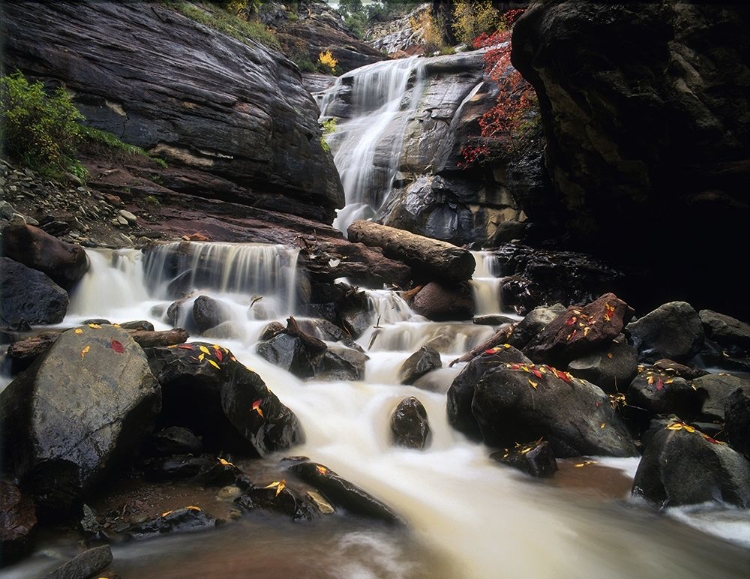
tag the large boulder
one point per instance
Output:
(673, 331)
(409, 424)
(29, 296)
(682, 466)
(17, 523)
(714, 391)
(737, 420)
(520, 403)
(237, 113)
(611, 368)
(424, 360)
(65, 263)
(645, 109)
(76, 413)
(206, 390)
(443, 302)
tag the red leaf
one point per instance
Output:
(219, 355)
(116, 346)
(660, 384)
(536, 373)
(185, 346)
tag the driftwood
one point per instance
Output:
(499, 337)
(312, 345)
(440, 259)
(34, 346)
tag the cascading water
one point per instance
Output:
(467, 516)
(366, 145)
(486, 283)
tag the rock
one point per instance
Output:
(65, 263)
(657, 392)
(673, 330)
(673, 83)
(613, 368)
(442, 302)
(174, 440)
(535, 459)
(714, 390)
(436, 258)
(580, 331)
(493, 320)
(128, 216)
(684, 467)
(208, 313)
(674, 369)
(533, 323)
(187, 520)
(461, 391)
(523, 402)
(29, 296)
(409, 424)
(280, 498)
(178, 467)
(421, 362)
(340, 364)
(76, 414)
(221, 400)
(85, 565)
(246, 128)
(725, 330)
(737, 420)
(17, 523)
(288, 353)
(343, 494)
(271, 331)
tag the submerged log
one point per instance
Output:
(437, 258)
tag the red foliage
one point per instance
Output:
(516, 96)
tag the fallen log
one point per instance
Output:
(34, 346)
(439, 259)
(499, 337)
(312, 344)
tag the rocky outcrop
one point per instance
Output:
(645, 110)
(29, 296)
(237, 113)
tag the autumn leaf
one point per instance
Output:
(571, 321)
(533, 384)
(219, 355)
(185, 346)
(602, 425)
(85, 351)
(586, 331)
(78, 331)
(193, 508)
(200, 358)
(660, 384)
(256, 407)
(205, 350)
(166, 513)
(278, 485)
(650, 380)
(536, 373)
(116, 346)
(223, 462)
(321, 469)
(609, 355)
(95, 326)
(214, 364)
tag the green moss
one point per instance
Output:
(98, 137)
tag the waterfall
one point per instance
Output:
(366, 146)
(486, 283)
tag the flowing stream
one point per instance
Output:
(468, 516)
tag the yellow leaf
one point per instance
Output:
(172, 346)
(609, 355)
(321, 469)
(166, 513)
(602, 425)
(193, 508)
(688, 428)
(586, 330)
(200, 358)
(650, 380)
(85, 351)
(95, 326)
(214, 364)
(533, 384)
(204, 350)
(78, 331)
(115, 325)
(669, 381)
(674, 426)
(225, 462)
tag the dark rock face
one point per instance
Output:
(645, 110)
(237, 113)
(521, 403)
(65, 263)
(706, 470)
(673, 331)
(208, 391)
(174, 440)
(714, 390)
(441, 302)
(288, 353)
(187, 520)
(208, 313)
(536, 459)
(612, 368)
(279, 498)
(409, 424)
(29, 295)
(424, 360)
(737, 420)
(17, 522)
(725, 330)
(76, 413)
(658, 393)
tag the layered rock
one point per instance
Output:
(645, 110)
(237, 113)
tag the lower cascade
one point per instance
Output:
(466, 516)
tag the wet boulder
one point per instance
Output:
(76, 413)
(461, 391)
(579, 331)
(535, 459)
(409, 424)
(187, 520)
(682, 466)
(673, 330)
(279, 498)
(343, 494)
(208, 313)
(522, 402)
(29, 296)
(681, 370)
(84, 565)
(737, 420)
(206, 390)
(17, 523)
(656, 392)
(424, 360)
(533, 323)
(288, 353)
(612, 367)
(714, 391)
(65, 263)
(340, 364)
(726, 331)
(441, 302)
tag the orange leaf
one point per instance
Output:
(321, 469)
(85, 351)
(536, 373)
(185, 346)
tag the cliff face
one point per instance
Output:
(237, 114)
(646, 109)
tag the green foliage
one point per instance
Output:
(470, 19)
(237, 25)
(40, 130)
(329, 127)
(98, 137)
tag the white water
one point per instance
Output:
(468, 517)
(366, 146)
(486, 283)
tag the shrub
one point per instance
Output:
(329, 127)
(38, 129)
(327, 63)
(470, 19)
(431, 34)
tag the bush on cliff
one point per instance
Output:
(39, 129)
